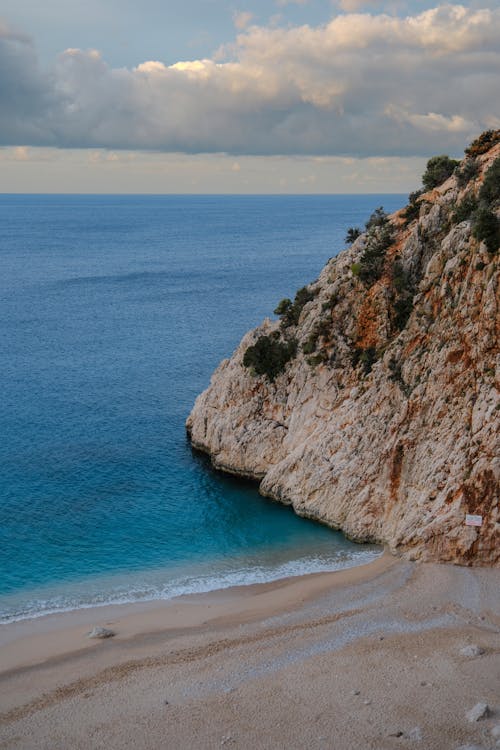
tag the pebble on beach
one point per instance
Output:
(479, 711)
(472, 650)
(98, 632)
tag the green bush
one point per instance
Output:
(481, 145)
(310, 344)
(371, 263)
(356, 269)
(269, 356)
(318, 359)
(490, 189)
(439, 168)
(412, 210)
(467, 172)
(486, 227)
(290, 311)
(403, 307)
(366, 357)
(378, 218)
(464, 210)
(283, 307)
(352, 235)
(403, 303)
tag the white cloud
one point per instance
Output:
(361, 84)
(242, 19)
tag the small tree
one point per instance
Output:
(378, 218)
(269, 356)
(283, 307)
(490, 189)
(439, 168)
(352, 235)
(486, 227)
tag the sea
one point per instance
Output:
(114, 312)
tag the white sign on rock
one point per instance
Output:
(472, 520)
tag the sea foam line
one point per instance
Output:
(189, 585)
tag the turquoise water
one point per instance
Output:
(115, 310)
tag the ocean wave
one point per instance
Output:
(182, 585)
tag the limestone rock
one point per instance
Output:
(415, 734)
(472, 650)
(479, 711)
(387, 425)
(98, 632)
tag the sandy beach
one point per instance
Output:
(370, 657)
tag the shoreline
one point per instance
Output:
(191, 586)
(28, 638)
(367, 657)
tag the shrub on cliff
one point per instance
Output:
(378, 218)
(464, 209)
(283, 307)
(366, 357)
(290, 311)
(402, 295)
(352, 235)
(490, 189)
(371, 263)
(269, 356)
(486, 227)
(468, 171)
(412, 210)
(439, 168)
(481, 145)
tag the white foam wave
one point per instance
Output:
(135, 590)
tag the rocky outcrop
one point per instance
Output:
(385, 422)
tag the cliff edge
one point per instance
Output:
(372, 404)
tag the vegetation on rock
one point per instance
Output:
(486, 228)
(379, 237)
(396, 443)
(439, 168)
(404, 291)
(490, 189)
(352, 234)
(289, 311)
(465, 209)
(481, 145)
(412, 210)
(269, 356)
(467, 172)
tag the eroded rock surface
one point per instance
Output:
(387, 426)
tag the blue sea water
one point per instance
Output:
(114, 312)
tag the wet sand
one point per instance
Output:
(363, 658)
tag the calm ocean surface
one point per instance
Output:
(114, 312)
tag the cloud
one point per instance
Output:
(242, 19)
(360, 85)
(282, 3)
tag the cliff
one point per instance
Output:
(372, 404)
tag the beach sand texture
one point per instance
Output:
(364, 658)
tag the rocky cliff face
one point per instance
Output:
(379, 413)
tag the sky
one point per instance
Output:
(275, 96)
